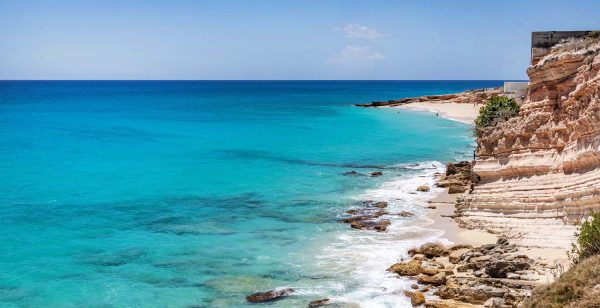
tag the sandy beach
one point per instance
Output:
(465, 113)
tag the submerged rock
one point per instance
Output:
(405, 214)
(376, 173)
(269, 295)
(377, 225)
(318, 303)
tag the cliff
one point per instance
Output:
(540, 171)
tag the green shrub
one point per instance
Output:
(497, 109)
(587, 239)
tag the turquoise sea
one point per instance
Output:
(197, 193)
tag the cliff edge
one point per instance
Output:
(540, 171)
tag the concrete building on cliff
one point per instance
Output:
(541, 42)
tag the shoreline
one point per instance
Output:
(460, 112)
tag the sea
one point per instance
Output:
(198, 193)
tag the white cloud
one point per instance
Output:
(359, 31)
(359, 53)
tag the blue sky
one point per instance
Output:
(282, 39)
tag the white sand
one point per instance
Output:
(465, 113)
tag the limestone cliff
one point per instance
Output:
(542, 168)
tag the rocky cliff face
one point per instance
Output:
(543, 167)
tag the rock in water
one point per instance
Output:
(431, 250)
(423, 188)
(376, 173)
(417, 298)
(411, 268)
(318, 303)
(269, 295)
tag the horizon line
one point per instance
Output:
(1, 80)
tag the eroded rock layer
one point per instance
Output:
(545, 163)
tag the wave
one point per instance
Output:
(366, 255)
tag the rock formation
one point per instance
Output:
(467, 97)
(542, 168)
(461, 275)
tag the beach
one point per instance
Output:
(464, 113)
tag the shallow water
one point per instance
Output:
(177, 194)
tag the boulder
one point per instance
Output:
(431, 250)
(376, 173)
(429, 271)
(423, 188)
(455, 255)
(410, 268)
(500, 268)
(417, 298)
(269, 295)
(436, 280)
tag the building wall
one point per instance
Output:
(543, 40)
(516, 90)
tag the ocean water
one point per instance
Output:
(197, 193)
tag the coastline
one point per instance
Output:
(460, 112)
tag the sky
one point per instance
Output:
(278, 39)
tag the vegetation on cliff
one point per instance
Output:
(578, 287)
(587, 242)
(497, 109)
(575, 288)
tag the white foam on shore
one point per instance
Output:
(366, 255)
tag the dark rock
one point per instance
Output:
(500, 268)
(377, 225)
(318, 303)
(269, 295)
(455, 168)
(380, 205)
(405, 214)
(376, 173)
(502, 241)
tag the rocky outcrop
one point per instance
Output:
(468, 97)
(268, 296)
(461, 275)
(458, 178)
(543, 166)
(368, 216)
